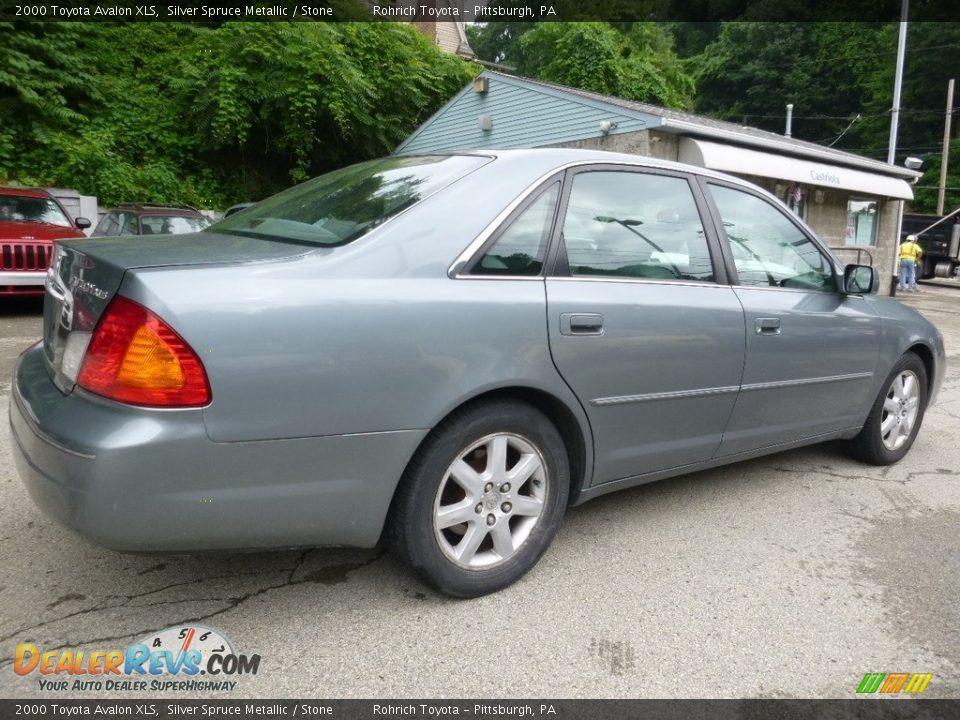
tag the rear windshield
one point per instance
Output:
(171, 224)
(340, 207)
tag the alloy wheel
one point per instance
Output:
(489, 500)
(900, 409)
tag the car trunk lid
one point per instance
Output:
(85, 276)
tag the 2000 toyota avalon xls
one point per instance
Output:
(446, 352)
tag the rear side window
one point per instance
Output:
(521, 248)
(128, 224)
(339, 207)
(635, 225)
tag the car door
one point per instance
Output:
(642, 326)
(811, 349)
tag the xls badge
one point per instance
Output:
(149, 665)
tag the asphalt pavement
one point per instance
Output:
(787, 576)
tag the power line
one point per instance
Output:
(856, 119)
(884, 114)
(818, 61)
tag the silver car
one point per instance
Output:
(444, 352)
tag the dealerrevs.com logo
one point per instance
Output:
(186, 659)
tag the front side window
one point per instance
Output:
(861, 222)
(339, 207)
(635, 225)
(108, 225)
(128, 224)
(767, 248)
(520, 249)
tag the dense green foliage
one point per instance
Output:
(216, 114)
(926, 189)
(209, 115)
(636, 64)
(635, 61)
(839, 77)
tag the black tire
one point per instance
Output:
(868, 445)
(412, 531)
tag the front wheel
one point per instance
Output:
(896, 415)
(482, 499)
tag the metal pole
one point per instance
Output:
(898, 82)
(895, 277)
(943, 219)
(789, 119)
(945, 157)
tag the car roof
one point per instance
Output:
(542, 160)
(25, 192)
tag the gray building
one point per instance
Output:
(853, 202)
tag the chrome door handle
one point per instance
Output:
(768, 326)
(581, 324)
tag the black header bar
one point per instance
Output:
(212, 11)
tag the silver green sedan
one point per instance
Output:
(443, 353)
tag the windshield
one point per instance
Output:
(171, 224)
(15, 208)
(339, 207)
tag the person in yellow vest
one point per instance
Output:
(910, 253)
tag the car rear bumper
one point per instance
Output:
(23, 277)
(19, 282)
(142, 480)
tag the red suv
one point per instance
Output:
(30, 221)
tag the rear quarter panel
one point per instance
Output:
(369, 337)
(292, 355)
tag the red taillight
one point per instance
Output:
(135, 357)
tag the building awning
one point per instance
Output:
(741, 161)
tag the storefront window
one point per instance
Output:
(861, 222)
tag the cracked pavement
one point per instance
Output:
(787, 576)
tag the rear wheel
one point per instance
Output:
(896, 415)
(482, 499)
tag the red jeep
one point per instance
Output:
(30, 220)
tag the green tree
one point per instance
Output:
(43, 84)
(832, 73)
(307, 97)
(933, 57)
(752, 70)
(210, 115)
(638, 64)
(927, 187)
(497, 42)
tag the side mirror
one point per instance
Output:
(82, 223)
(860, 280)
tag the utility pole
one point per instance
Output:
(898, 82)
(945, 157)
(894, 124)
(789, 130)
